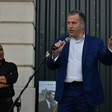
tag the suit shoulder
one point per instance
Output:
(94, 38)
(62, 38)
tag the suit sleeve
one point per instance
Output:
(51, 64)
(105, 56)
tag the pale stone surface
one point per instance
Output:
(24, 75)
(17, 12)
(20, 54)
(27, 99)
(17, 33)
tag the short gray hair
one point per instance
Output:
(81, 15)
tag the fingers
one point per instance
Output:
(110, 42)
(58, 44)
(62, 45)
(110, 38)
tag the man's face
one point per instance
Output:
(75, 27)
(1, 53)
(50, 97)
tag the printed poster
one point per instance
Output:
(46, 96)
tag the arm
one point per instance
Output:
(12, 77)
(4, 85)
(51, 63)
(105, 56)
(3, 82)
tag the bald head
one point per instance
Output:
(1, 53)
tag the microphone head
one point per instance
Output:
(67, 39)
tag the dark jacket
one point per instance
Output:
(9, 70)
(93, 50)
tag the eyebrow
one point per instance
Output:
(1, 48)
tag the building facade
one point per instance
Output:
(29, 27)
(17, 35)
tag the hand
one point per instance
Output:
(59, 46)
(110, 42)
(4, 85)
(3, 80)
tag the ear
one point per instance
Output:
(82, 24)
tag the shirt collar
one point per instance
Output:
(79, 39)
(48, 103)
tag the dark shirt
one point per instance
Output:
(43, 107)
(9, 70)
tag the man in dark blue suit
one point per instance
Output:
(78, 84)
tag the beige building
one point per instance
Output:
(17, 35)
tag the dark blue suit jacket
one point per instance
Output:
(93, 50)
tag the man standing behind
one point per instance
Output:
(8, 76)
(78, 84)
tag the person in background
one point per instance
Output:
(78, 83)
(48, 104)
(8, 76)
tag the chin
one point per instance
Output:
(1, 59)
(71, 35)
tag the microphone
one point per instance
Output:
(66, 40)
(53, 48)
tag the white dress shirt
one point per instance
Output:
(74, 68)
(109, 49)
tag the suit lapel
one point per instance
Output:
(67, 51)
(85, 50)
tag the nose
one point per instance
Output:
(71, 25)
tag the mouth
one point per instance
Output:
(1, 56)
(71, 31)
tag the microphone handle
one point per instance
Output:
(54, 47)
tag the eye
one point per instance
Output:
(1, 49)
(74, 23)
(68, 22)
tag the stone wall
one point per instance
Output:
(17, 36)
